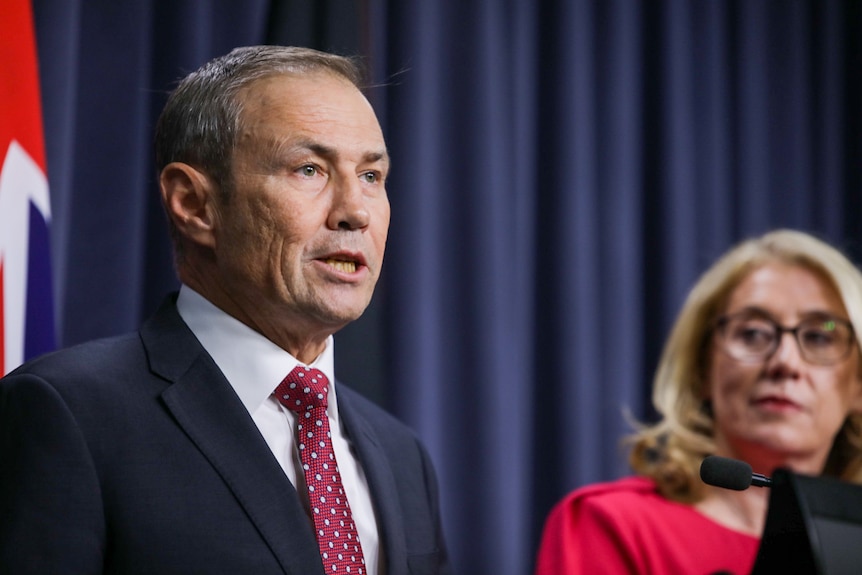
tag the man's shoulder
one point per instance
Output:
(83, 357)
(100, 373)
(103, 353)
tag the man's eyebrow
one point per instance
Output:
(381, 156)
(285, 146)
(325, 151)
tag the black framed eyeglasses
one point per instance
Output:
(751, 337)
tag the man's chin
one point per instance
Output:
(339, 314)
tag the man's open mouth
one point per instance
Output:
(342, 265)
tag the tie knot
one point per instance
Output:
(303, 389)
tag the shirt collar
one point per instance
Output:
(252, 364)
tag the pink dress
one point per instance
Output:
(626, 526)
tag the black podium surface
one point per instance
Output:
(813, 526)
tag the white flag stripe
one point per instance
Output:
(22, 182)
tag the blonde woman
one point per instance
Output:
(762, 365)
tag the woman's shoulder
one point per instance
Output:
(627, 526)
(635, 502)
(634, 488)
(625, 499)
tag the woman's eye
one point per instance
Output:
(818, 337)
(754, 335)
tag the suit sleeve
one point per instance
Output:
(50, 501)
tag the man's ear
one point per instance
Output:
(189, 197)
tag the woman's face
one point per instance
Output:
(782, 410)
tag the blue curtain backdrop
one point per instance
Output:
(563, 171)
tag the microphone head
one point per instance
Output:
(725, 472)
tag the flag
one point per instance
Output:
(26, 299)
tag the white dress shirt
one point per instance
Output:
(254, 366)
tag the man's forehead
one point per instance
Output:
(306, 100)
(269, 88)
(310, 115)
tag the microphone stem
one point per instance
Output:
(760, 480)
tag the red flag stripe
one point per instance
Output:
(20, 103)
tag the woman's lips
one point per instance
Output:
(776, 402)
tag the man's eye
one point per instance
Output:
(308, 170)
(369, 177)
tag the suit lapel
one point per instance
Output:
(206, 407)
(381, 483)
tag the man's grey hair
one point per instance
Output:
(201, 120)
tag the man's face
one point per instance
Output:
(301, 235)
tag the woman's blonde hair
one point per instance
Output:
(672, 450)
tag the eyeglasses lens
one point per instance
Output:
(749, 338)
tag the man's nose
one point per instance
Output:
(349, 208)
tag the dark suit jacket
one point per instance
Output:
(133, 455)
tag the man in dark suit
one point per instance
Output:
(192, 445)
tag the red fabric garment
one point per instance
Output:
(626, 526)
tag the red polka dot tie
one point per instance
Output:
(305, 392)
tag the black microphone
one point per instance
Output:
(730, 474)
